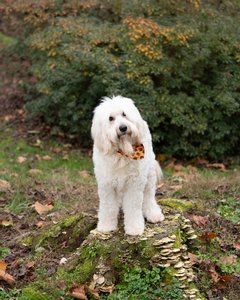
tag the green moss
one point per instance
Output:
(176, 203)
(31, 293)
(177, 243)
(148, 250)
(28, 241)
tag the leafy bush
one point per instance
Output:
(178, 60)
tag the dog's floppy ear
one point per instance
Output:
(99, 136)
(144, 133)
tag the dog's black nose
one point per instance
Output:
(123, 128)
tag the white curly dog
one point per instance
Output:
(125, 166)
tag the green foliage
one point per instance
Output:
(178, 60)
(145, 284)
(229, 208)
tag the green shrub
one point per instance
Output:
(178, 60)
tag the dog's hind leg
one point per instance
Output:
(151, 210)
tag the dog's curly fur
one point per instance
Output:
(122, 181)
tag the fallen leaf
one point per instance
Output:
(6, 223)
(159, 186)
(237, 245)
(193, 258)
(7, 277)
(30, 264)
(220, 167)
(21, 159)
(4, 184)
(208, 236)
(175, 187)
(8, 118)
(84, 173)
(34, 171)
(228, 259)
(40, 224)
(3, 265)
(77, 291)
(67, 145)
(199, 220)
(56, 149)
(179, 168)
(91, 290)
(65, 157)
(46, 157)
(222, 282)
(42, 209)
(3, 202)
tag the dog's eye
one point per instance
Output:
(123, 114)
(111, 118)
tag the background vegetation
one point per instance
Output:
(179, 61)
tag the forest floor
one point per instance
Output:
(43, 178)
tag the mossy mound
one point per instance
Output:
(101, 260)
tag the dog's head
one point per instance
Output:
(117, 125)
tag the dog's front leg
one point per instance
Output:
(132, 208)
(108, 209)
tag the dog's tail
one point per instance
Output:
(159, 173)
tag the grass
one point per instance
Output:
(60, 172)
(6, 40)
(66, 177)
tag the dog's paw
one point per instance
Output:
(106, 227)
(155, 217)
(135, 230)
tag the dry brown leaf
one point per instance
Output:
(67, 145)
(34, 171)
(3, 265)
(91, 290)
(193, 258)
(7, 277)
(209, 268)
(220, 167)
(4, 184)
(42, 209)
(40, 224)
(222, 282)
(8, 118)
(179, 168)
(176, 187)
(237, 245)
(77, 291)
(46, 157)
(21, 159)
(228, 259)
(83, 173)
(65, 157)
(207, 236)
(30, 264)
(6, 223)
(159, 186)
(56, 149)
(3, 201)
(199, 220)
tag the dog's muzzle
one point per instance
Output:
(123, 128)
